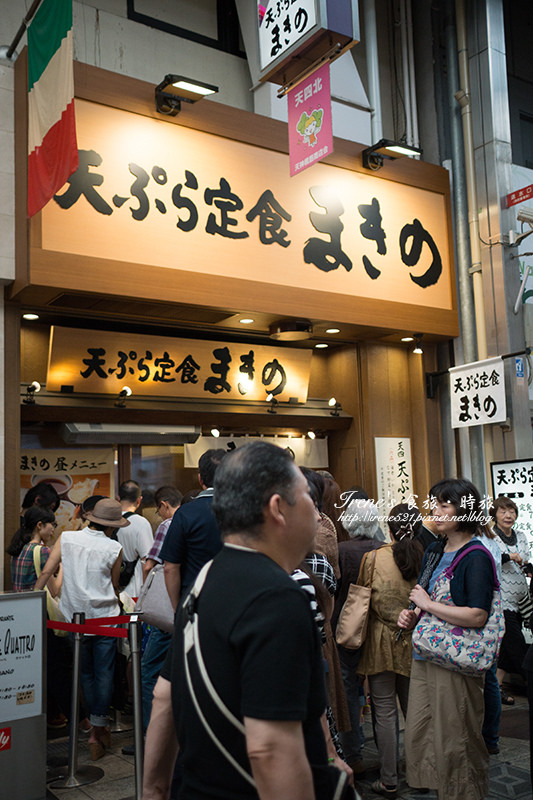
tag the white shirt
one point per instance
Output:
(136, 540)
(88, 556)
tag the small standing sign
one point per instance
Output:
(310, 127)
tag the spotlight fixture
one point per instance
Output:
(273, 403)
(336, 407)
(215, 432)
(31, 391)
(175, 89)
(291, 330)
(311, 435)
(373, 157)
(121, 400)
(418, 344)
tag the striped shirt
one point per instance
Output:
(23, 575)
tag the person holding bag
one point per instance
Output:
(385, 658)
(514, 553)
(444, 745)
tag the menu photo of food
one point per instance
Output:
(74, 486)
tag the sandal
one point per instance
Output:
(507, 700)
(97, 750)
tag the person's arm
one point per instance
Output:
(279, 763)
(161, 745)
(115, 574)
(465, 616)
(173, 582)
(333, 756)
(55, 582)
(50, 568)
(148, 565)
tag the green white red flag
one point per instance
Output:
(52, 146)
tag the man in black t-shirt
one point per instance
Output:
(259, 643)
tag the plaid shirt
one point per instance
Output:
(159, 538)
(23, 575)
(320, 566)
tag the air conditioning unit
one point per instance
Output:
(103, 433)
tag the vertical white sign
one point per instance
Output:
(477, 393)
(282, 25)
(394, 470)
(514, 479)
(21, 655)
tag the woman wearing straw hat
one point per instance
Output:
(91, 567)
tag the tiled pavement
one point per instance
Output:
(509, 771)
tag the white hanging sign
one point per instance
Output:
(394, 470)
(312, 453)
(477, 392)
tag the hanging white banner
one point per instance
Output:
(477, 392)
(394, 470)
(312, 453)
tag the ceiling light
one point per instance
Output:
(246, 321)
(407, 339)
(30, 316)
(291, 330)
(321, 345)
(373, 157)
(175, 89)
(333, 330)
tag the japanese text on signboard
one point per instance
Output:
(282, 25)
(477, 393)
(514, 479)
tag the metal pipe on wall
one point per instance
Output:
(412, 82)
(405, 74)
(372, 62)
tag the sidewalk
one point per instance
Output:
(509, 771)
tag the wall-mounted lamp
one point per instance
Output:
(124, 392)
(335, 407)
(311, 435)
(418, 344)
(373, 157)
(215, 432)
(273, 403)
(31, 391)
(175, 89)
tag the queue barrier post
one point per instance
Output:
(85, 774)
(135, 639)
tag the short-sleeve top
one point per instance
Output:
(23, 575)
(88, 557)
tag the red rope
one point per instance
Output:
(99, 626)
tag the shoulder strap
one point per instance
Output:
(192, 647)
(37, 559)
(449, 571)
(371, 554)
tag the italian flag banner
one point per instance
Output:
(52, 147)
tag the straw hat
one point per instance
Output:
(107, 512)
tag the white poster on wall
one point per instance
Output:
(312, 453)
(21, 655)
(514, 479)
(477, 392)
(394, 470)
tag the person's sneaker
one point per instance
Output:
(387, 791)
(493, 751)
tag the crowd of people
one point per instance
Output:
(252, 696)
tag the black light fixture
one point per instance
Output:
(418, 344)
(175, 89)
(291, 330)
(273, 403)
(335, 407)
(373, 157)
(124, 392)
(31, 391)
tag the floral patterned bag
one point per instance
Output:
(471, 651)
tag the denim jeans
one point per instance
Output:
(352, 741)
(493, 708)
(153, 659)
(97, 676)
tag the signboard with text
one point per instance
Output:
(21, 658)
(310, 125)
(477, 393)
(75, 473)
(394, 470)
(283, 25)
(103, 362)
(151, 193)
(312, 453)
(514, 479)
